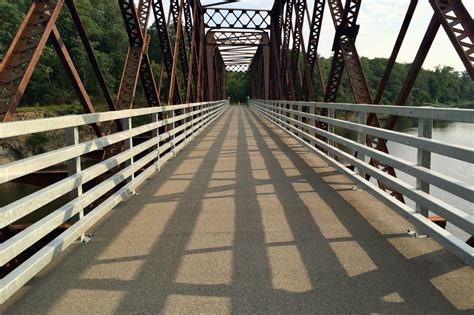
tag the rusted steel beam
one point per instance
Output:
(221, 78)
(211, 48)
(191, 21)
(260, 70)
(182, 52)
(265, 66)
(458, 24)
(128, 83)
(73, 76)
(192, 56)
(295, 75)
(237, 68)
(131, 71)
(275, 43)
(337, 64)
(287, 82)
(148, 82)
(177, 47)
(335, 77)
(237, 38)
(201, 63)
(146, 73)
(137, 63)
(163, 35)
(307, 83)
(143, 15)
(415, 68)
(298, 6)
(215, 18)
(315, 33)
(24, 53)
(188, 22)
(91, 55)
(395, 51)
(346, 32)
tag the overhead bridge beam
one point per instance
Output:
(226, 18)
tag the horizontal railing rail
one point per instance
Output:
(169, 129)
(300, 119)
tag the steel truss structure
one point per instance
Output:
(278, 48)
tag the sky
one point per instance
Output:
(380, 22)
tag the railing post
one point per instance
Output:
(156, 134)
(198, 115)
(330, 128)
(274, 109)
(185, 122)
(74, 167)
(361, 138)
(299, 118)
(312, 122)
(173, 127)
(287, 114)
(204, 115)
(192, 123)
(278, 111)
(293, 116)
(127, 126)
(425, 130)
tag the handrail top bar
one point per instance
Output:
(427, 112)
(24, 127)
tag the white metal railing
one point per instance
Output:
(131, 167)
(299, 120)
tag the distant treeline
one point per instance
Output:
(106, 31)
(441, 85)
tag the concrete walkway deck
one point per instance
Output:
(247, 220)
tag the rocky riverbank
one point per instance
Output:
(17, 148)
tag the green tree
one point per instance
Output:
(238, 86)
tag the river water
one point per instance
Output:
(454, 133)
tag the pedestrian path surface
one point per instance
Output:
(245, 220)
